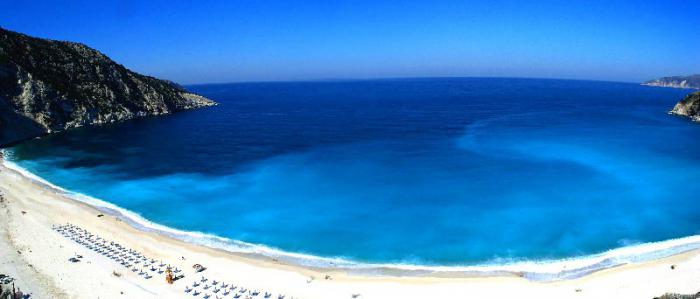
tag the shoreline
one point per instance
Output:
(536, 270)
(371, 281)
(665, 85)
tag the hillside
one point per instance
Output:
(692, 81)
(48, 86)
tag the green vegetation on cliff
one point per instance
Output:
(689, 106)
(48, 86)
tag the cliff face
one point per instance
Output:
(689, 106)
(692, 81)
(48, 86)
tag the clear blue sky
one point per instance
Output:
(259, 40)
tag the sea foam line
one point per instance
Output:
(538, 270)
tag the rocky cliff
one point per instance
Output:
(689, 106)
(48, 86)
(692, 81)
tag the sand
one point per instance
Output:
(37, 256)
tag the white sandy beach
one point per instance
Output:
(38, 257)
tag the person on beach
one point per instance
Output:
(169, 276)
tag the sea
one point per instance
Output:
(417, 173)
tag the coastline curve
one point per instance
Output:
(534, 270)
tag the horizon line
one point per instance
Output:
(349, 79)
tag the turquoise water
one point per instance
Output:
(415, 171)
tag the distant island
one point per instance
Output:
(692, 81)
(48, 86)
(689, 106)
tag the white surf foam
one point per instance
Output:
(541, 270)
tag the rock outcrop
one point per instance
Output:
(692, 81)
(48, 86)
(678, 296)
(689, 106)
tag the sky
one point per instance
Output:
(266, 40)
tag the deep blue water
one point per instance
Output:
(421, 171)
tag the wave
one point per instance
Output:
(536, 270)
